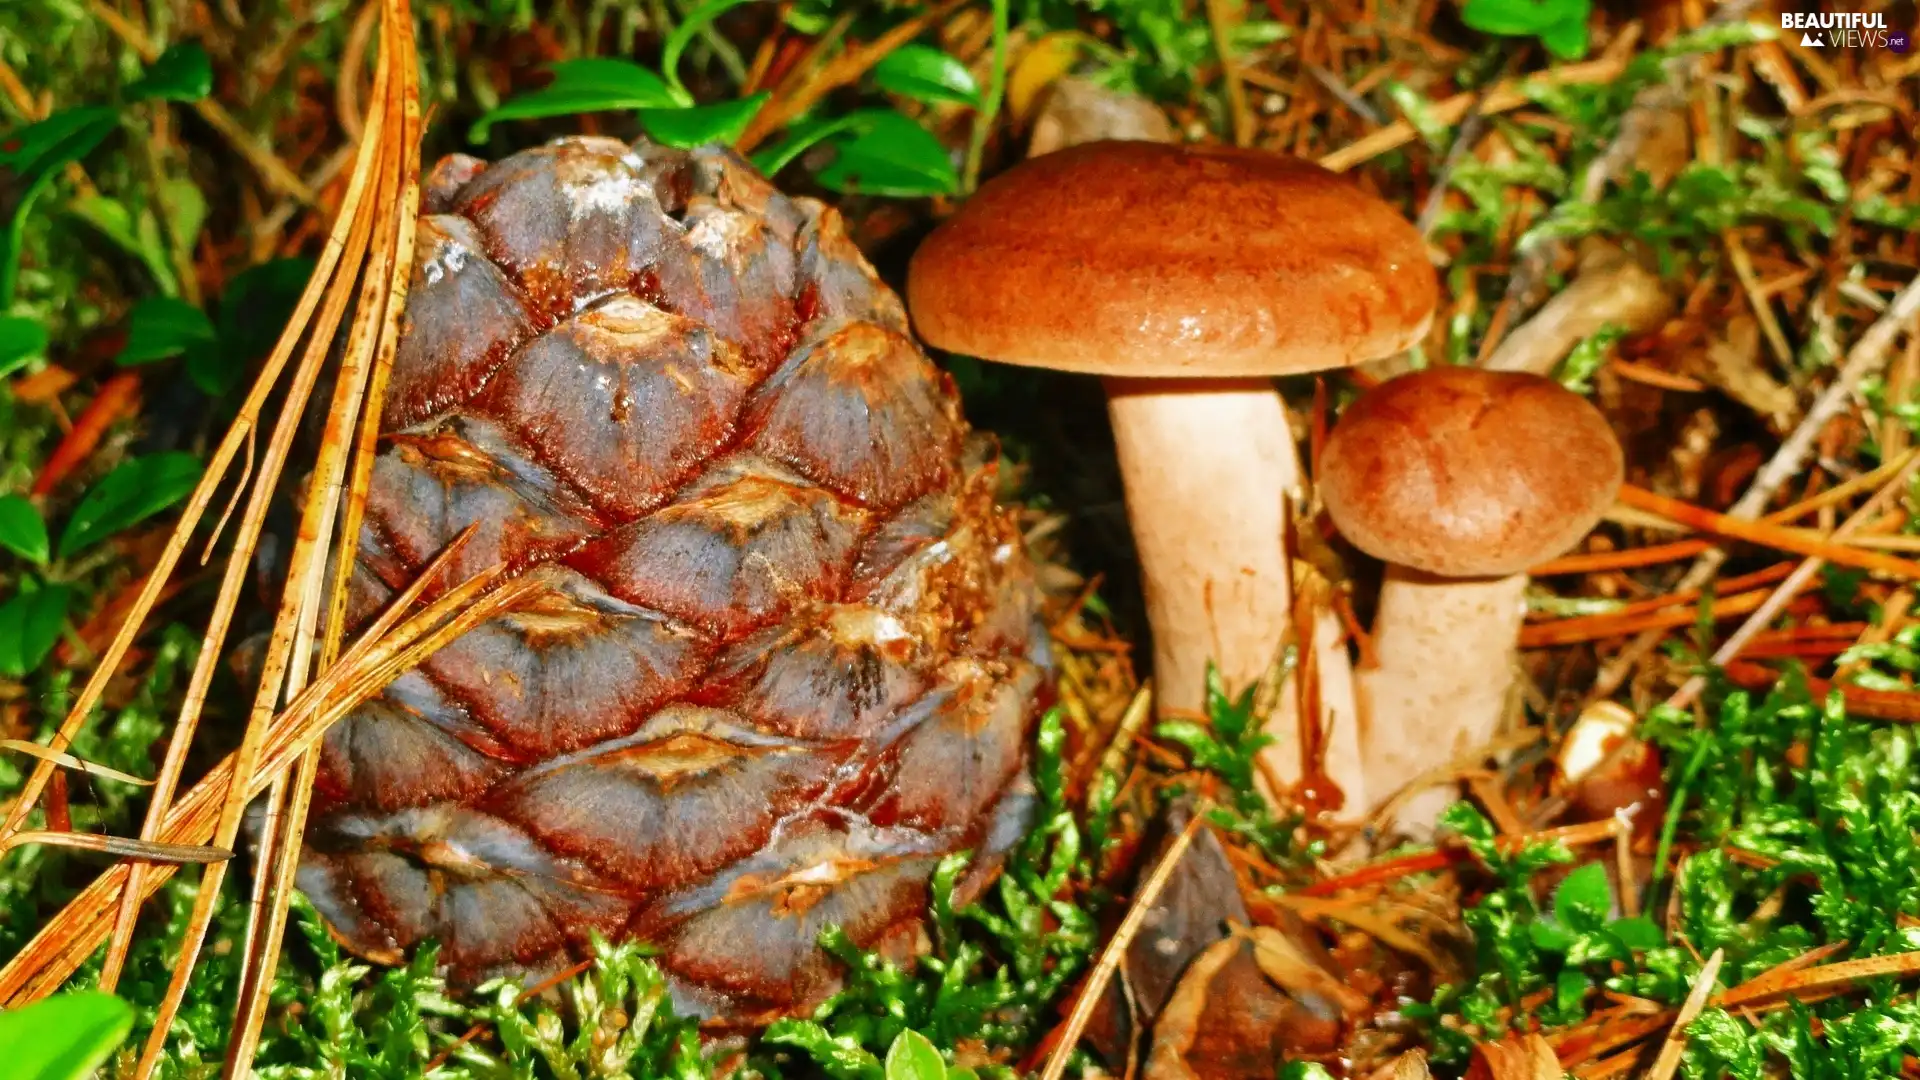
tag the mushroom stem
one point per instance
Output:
(1207, 464)
(1446, 649)
(1209, 467)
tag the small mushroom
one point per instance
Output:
(1459, 479)
(1187, 277)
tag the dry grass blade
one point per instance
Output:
(1668, 1062)
(147, 850)
(57, 757)
(327, 293)
(357, 405)
(1774, 984)
(1774, 536)
(389, 648)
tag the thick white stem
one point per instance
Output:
(1209, 466)
(1445, 650)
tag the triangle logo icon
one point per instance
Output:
(1809, 41)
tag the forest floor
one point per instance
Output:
(1703, 222)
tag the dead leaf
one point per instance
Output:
(1078, 111)
(1226, 1021)
(1732, 364)
(1044, 63)
(1411, 1065)
(1284, 962)
(1191, 913)
(1612, 288)
(1516, 1057)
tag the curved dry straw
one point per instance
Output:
(361, 279)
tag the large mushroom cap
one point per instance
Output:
(1463, 472)
(1141, 259)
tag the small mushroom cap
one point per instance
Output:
(1147, 260)
(1463, 472)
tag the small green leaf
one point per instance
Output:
(591, 84)
(131, 493)
(924, 73)
(29, 625)
(161, 328)
(1638, 933)
(912, 1057)
(841, 1057)
(21, 530)
(22, 341)
(1583, 899)
(137, 235)
(697, 19)
(186, 209)
(1550, 936)
(702, 124)
(1521, 18)
(182, 73)
(64, 1037)
(1566, 40)
(893, 156)
(257, 303)
(29, 157)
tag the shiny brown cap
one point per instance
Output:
(1141, 259)
(1463, 472)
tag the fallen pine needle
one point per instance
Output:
(1676, 1042)
(1770, 984)
(1766, 534)
(148, 850)
(1116, 948)
(61, 757)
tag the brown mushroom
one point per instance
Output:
(1188, 278)
(1459, 479)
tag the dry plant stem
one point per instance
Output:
(349, 237)
(383, 653)
(1446, 650)
(1668, 1062)
(241, 432)
(1867, 357)
(1116, 948)
(1207, 466)
(271, 169)
(1506, 96)
(1801, 577)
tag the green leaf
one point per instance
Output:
(22, 341)
(1520, 18)
(591, 84)
(29, 157)
(21, 530)
(137, 235)
(131, 493)
(254, 311)
(892, 156)
(839, 1056)
(182, 73)
(702, 124)
(29, 625)
(1638, 933)
(697, 19)
(924, 73)
(912, 1057)
(161, 328)
(64, 1037)
(1566, 40)
(1583, 898)
(1550, 936)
